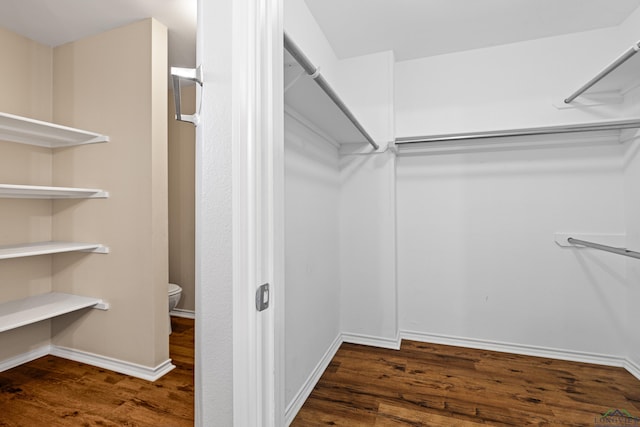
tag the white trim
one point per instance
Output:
(301, 396)
(179, 312)
(632, 367)
(256, 87)
(116, 365)
(273, 262)
(527, 350)
(390, 343)
(23, 358)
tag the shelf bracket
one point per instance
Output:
(102, 305)
(100, 195)
(189, 74)
(99, 250)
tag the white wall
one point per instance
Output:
(632, 177)
(632, 219)
(214, 219)
(366, 85)
(312, 245)
(339, 214)
(367, 206)
(367, 249)
(503, 87)
(476, 255)
(628, 33)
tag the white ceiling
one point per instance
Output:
(418, 28)
(55, 22)
(412, 28)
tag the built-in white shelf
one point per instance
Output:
(41, 192)
(46, 248)
(44, 134)
(307, 99)
(17, 313)
(305, 95)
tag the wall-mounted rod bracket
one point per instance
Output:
(189, 74)
(605, 72)
(619, 251)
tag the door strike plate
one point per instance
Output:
(262, 297)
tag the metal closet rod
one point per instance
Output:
(619, 251)
(602, 74)
(544, 130)
(313, 71)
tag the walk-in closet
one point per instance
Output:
(379, 212)
(484, 201)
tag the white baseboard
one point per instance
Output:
(391, 343)
(126, 368)
(527, 350)
(20, 359)
(306, 389)
(179, 312)
(632, 367)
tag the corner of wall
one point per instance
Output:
(632, 213)
(302, 27)
(366, 84)
(94, 91)
(368, 247)
(628, 29)
(182, 200)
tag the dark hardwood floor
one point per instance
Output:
(420, 385)
(51, 391)
(436, 385)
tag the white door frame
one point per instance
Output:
(239, 214)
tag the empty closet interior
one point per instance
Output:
(468, 217)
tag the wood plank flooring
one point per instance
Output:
(51, 391)
(436, 385)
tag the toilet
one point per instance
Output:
(175, 292)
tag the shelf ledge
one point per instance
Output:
(47, 248)
(25, 311)
(24, 130)
(11, 191)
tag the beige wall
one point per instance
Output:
(115, 83)
(182, 199)
(25, 88)
(26, 77)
